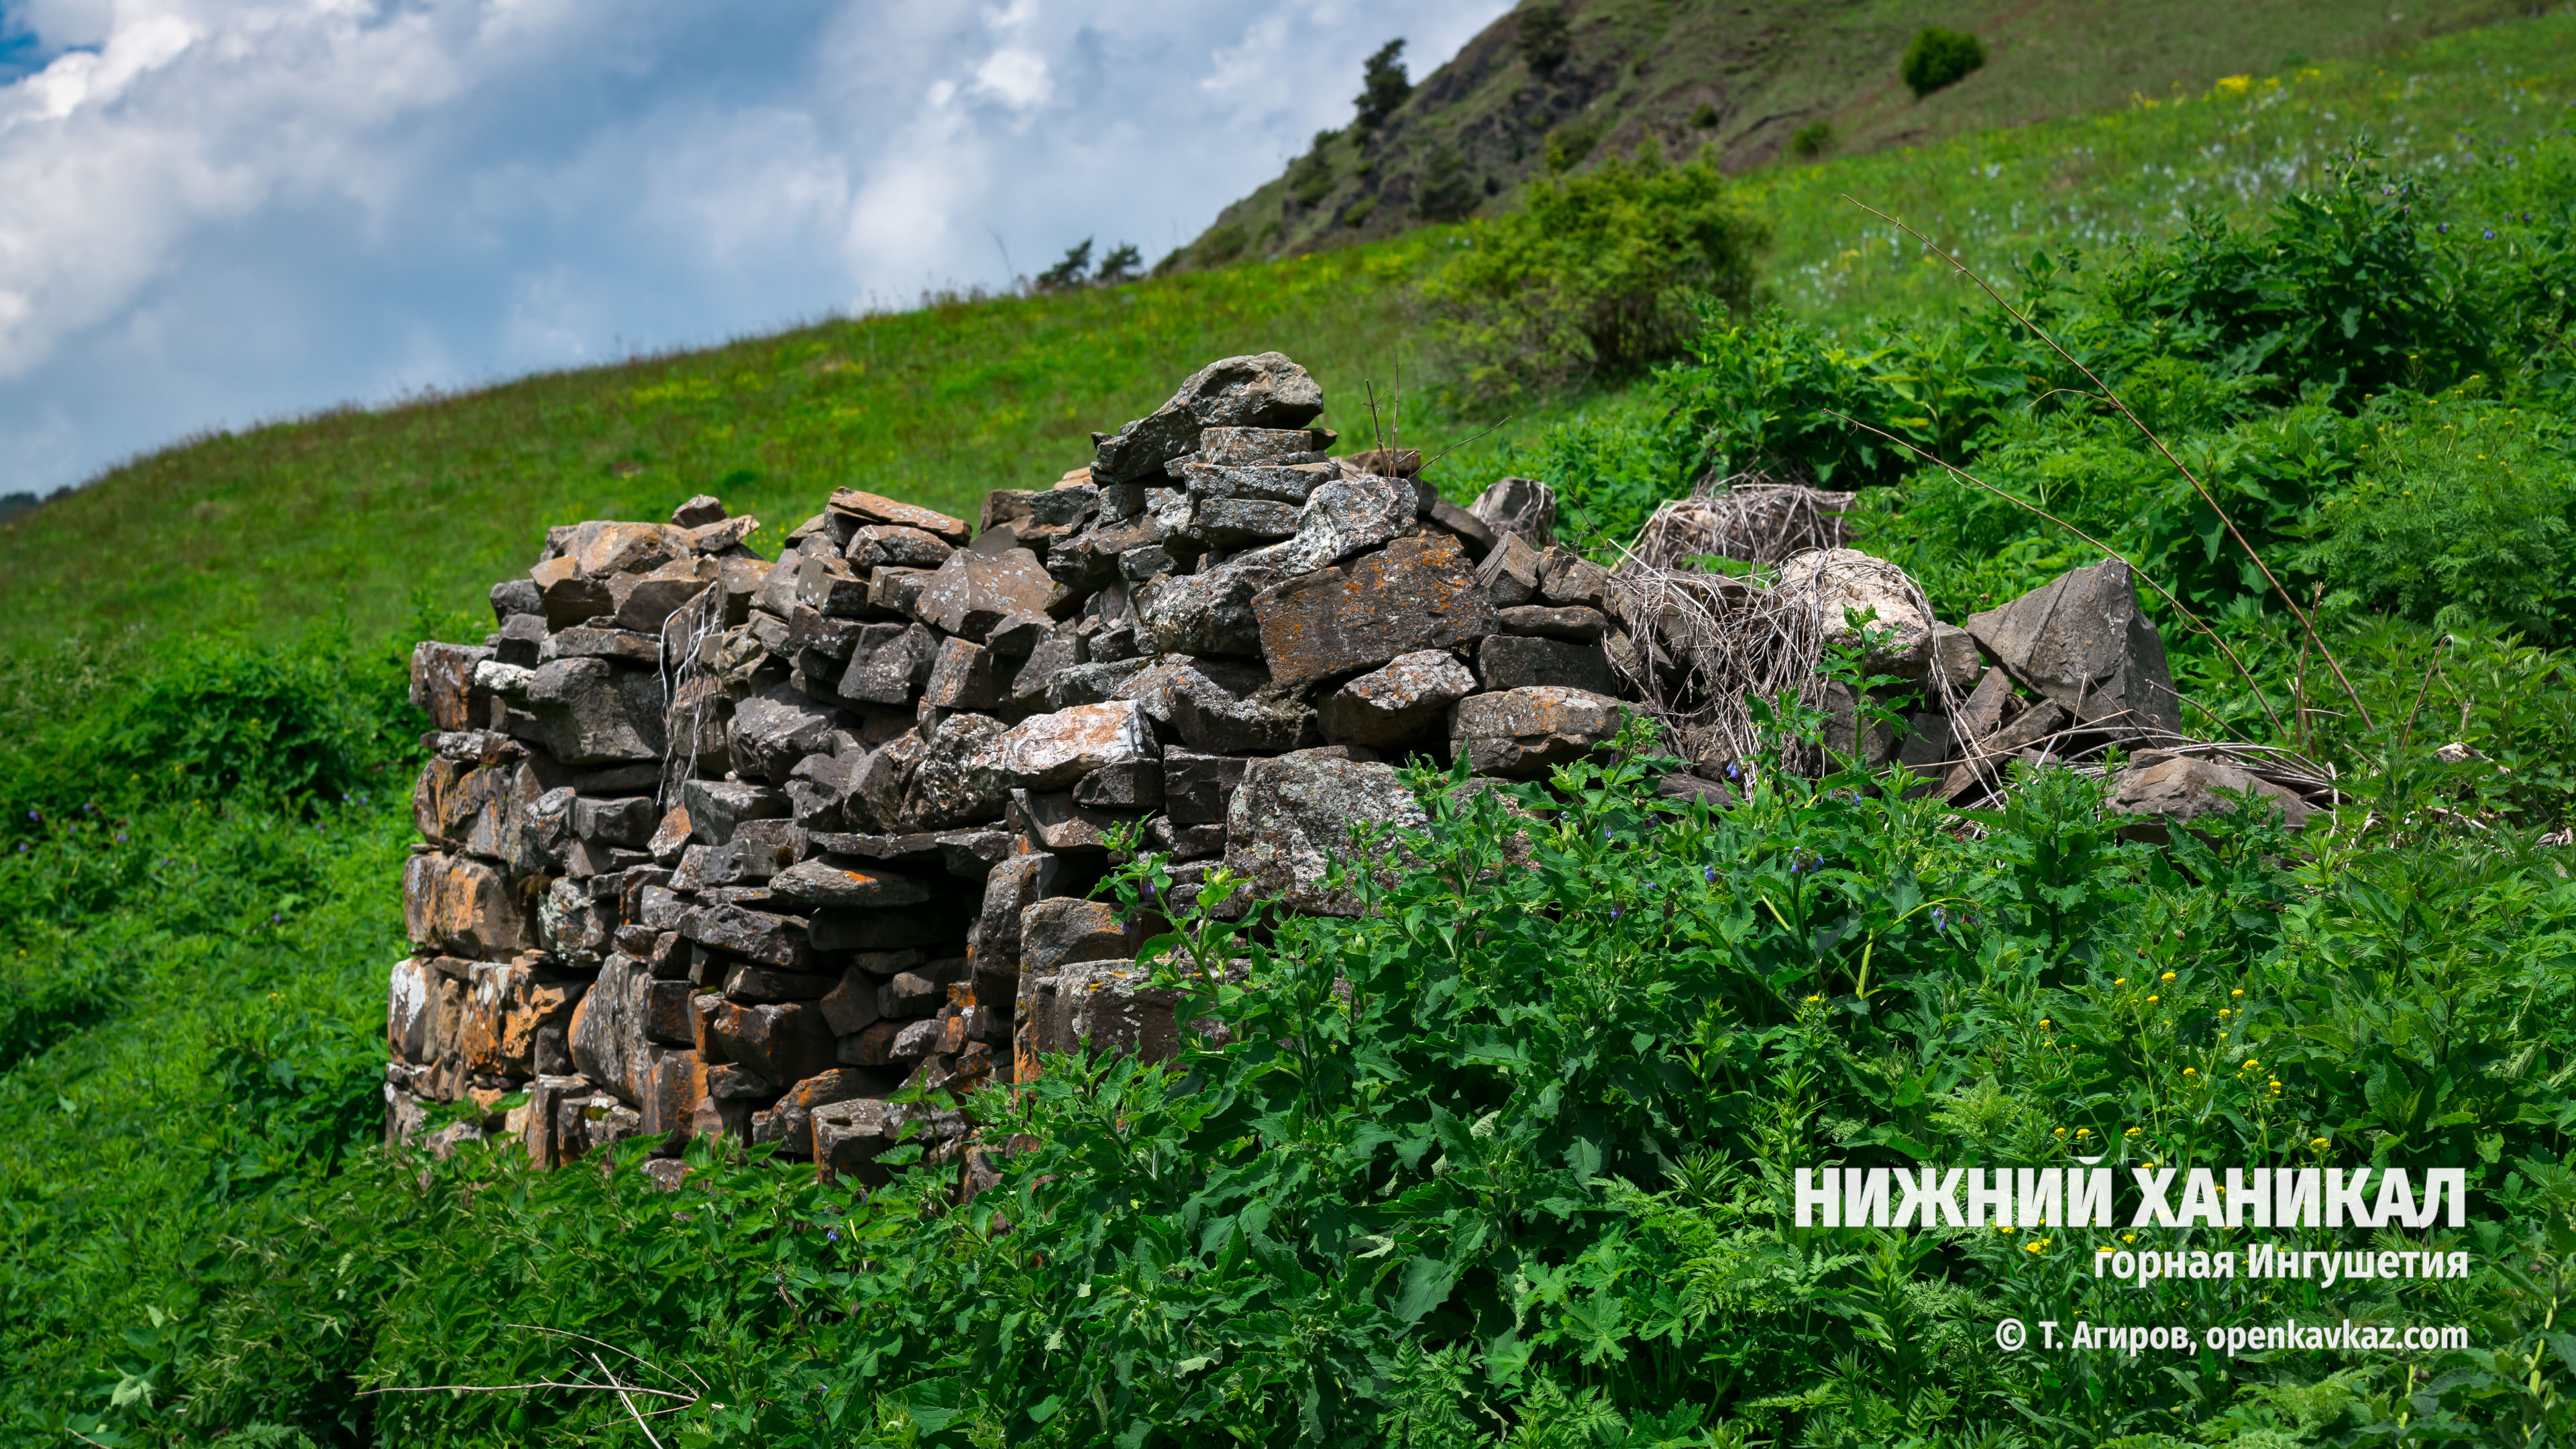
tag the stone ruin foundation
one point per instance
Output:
(713, 843)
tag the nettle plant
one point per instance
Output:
(1506, 1154)
(1509, 1148)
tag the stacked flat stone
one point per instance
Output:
(714, 843)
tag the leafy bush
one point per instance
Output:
(192, 929)
(1448, 192)
(1568, 145)
(302, 723)
(1939, 58)
(1595, 276)
(1545, 39)
(2343, 291)
(1504, 1160)
(1812, 140)
(2458, 515)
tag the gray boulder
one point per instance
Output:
(2167, 790)
(2082, 641)
(1522, 733)
(1292, 817)
(590, 712)
(1417, 593)
(1397, 704)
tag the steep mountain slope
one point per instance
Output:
(1745, 80)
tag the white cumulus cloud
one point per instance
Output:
(213, 213)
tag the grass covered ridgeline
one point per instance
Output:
(1554, 87)
(358, 511)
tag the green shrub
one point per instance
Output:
(1939, 58)
(1705, 117)
(1595, 276)
(2458, 516)
(1545, 39)
(1448, 192)
(1812, 140)
(1568, 145)
(1310, 177)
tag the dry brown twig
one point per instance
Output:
(2103, 391)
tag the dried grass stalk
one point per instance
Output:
(1750, 517)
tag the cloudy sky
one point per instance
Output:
(215, 213)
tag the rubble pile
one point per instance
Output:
(719, 843)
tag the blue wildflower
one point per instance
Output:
(1614, 913)
(1940, 919)
(1711, 873)
(832, 1235)
(2490, 233)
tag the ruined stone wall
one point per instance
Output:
(713, 842)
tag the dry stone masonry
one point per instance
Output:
(718, 843)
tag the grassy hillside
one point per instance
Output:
(363, 511)
(1453, 1189)
(1745, 80)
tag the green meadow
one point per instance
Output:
(1502, 1162)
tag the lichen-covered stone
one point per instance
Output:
(1212, 714)
(2082, 641)
(1346, 517)
(463, 905)
(889, 663)
(867, 508)
(591, 712)
(838, 883)
(1418, 593)
(1521, 733)
(1207, 613)
(1261, 391)
(1052, 751)
(1842, 582)
(1395, 705)
(772, 731)
(972, 592)
(1293, 816)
